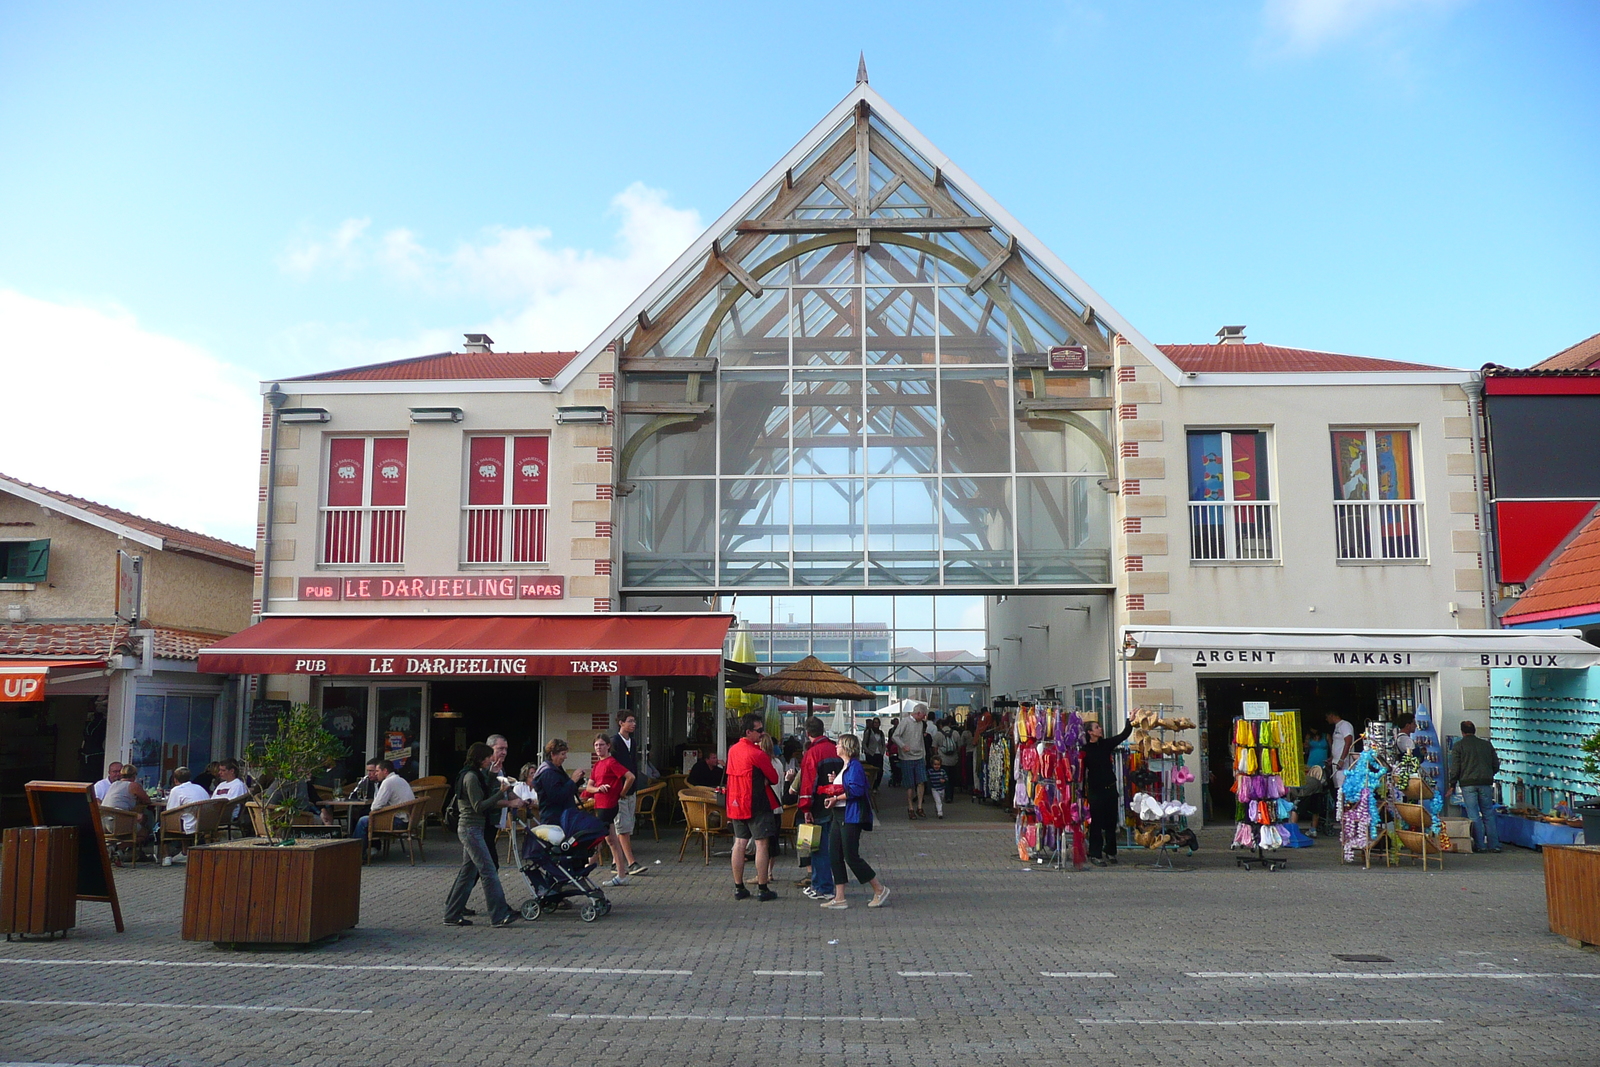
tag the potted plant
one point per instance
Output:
(277, 890)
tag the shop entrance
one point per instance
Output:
(1358, 700)
(464, 712)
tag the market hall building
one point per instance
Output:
(871, 416)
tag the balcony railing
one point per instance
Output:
(1378, 529)
(1238, 530)
(363, 535)
(494, 534)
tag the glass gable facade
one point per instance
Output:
(854, 390)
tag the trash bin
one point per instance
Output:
(38, 880)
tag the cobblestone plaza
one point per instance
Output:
(978, 959)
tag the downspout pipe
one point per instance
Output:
(276, 398)
(1478, 416)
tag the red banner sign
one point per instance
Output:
(447, 587)
(531, 459)
(19, 687)
(486, 476)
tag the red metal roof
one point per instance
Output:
(98, 639)
(1272, 359)
(452, 366)
(1569, 581)
(1585, 355)
(174, 537)
(507, 646)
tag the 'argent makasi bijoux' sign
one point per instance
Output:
(447, 587)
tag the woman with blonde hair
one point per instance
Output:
(850, 800)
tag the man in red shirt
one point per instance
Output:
(818, 748)
(750, 771)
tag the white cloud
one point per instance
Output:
(101, 408)
(305, 256)
(539, 295)
(1304, 26)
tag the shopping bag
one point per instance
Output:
(807, 836)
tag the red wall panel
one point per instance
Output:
(1529, 530)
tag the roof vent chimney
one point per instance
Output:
(479, 342)
(1230, 335)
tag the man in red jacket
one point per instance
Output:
(750, 771)
(818, 748)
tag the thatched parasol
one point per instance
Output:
(810, 678)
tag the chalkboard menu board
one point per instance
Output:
(73, 804)
(263, 722)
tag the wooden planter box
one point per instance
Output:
(244, 892)
(1572, 891)
(39, 880)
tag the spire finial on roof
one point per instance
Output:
(861, 70)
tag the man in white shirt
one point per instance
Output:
(230, 786)
(113, 774)
(392, 789)
(184, 792)
(1341, 746)
(1404, 743)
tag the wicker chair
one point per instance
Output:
(207, 824)
(646, 804)
(433, 795)
(122, 829)
(383, 827)
(702, 817)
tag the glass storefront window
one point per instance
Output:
(170, 730)
(400, 728)
(667, 532)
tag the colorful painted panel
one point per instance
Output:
(1350, 468)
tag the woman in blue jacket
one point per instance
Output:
(850, 801)
(557, 790)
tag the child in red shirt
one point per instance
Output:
(608, 783)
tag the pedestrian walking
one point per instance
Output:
(938, 778)
(624, 749)
(850, 802)
(750, 778)
(1100, 783)
(479, 797)
(608, 783)
(1473, 765)
(912, 738)
(873, 747)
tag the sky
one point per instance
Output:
(196, 198)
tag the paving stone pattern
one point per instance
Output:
(1152, 967)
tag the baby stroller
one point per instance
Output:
(557, 862)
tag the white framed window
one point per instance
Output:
(1232, 515)
(364, 500)
(505, 516)
(1377, 510)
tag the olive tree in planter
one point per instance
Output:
(277, 890)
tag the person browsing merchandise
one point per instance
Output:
(750, 776)
(1100, 783)
(1473, 765)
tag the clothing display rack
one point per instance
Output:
(1259, 794)
(1052, 814)
(1390, 801)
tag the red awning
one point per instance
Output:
(24, 679)
(475, 646)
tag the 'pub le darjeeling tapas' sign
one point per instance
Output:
(445, 587)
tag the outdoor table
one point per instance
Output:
(345, 811)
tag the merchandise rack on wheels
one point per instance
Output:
(1259, 794)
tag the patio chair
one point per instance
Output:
(207, 824)
(433, 796)
(383, 827)
(786, 830)
(646, 804)
(121, 829)
(702, 817)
